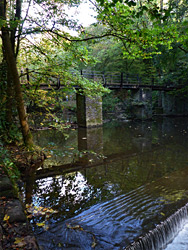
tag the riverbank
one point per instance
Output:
(15, 230)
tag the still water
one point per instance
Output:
(108, 186)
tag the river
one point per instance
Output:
(108, 186)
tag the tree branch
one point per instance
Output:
(184, 50)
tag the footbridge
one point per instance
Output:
(122, 80)
(111, 80)
(89, 110)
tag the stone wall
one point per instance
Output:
(142, 103)
(174, 105)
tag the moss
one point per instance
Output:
(9, 168)
(14, 174)
(29, 140)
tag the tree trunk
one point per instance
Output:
(11, 62)
(9, 98)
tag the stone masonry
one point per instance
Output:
(89, 111)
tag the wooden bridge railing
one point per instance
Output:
(115, 80)
(108, 79)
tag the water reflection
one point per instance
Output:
(90, 141)
(142, 180)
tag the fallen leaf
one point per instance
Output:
(20, 242)
(75, 227)
(42, 224)
(29, 216)
(6, 217)
(94, 243)
(46, 227)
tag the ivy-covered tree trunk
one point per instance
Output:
(8, 48)
(11, 62)
(9, 100)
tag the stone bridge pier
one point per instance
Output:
(142, 103)
(89, 111)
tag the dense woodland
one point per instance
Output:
(147, 37)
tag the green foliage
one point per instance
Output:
(109, 102)
(8, 165)
(181, 93)
(141, 27)
(145, 38)
(9, 132)
(48, 63)
(45, 107)
(90, 88)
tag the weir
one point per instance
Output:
(163, 234)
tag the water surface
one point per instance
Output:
(128, 178)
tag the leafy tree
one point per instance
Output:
(140, 26)
(46, 24)
(10, 17)
(154, 31)
(109, 56)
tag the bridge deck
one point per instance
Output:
(137, 86)
(120, 86)
(114, 81)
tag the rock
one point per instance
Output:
(15, 211)
(16, 232)
(1, 238)
(1, 214)
(5, 184)
(31, 242)
(122, 117)
(8, 194)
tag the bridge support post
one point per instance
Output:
(89, 111)
(142, 103)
